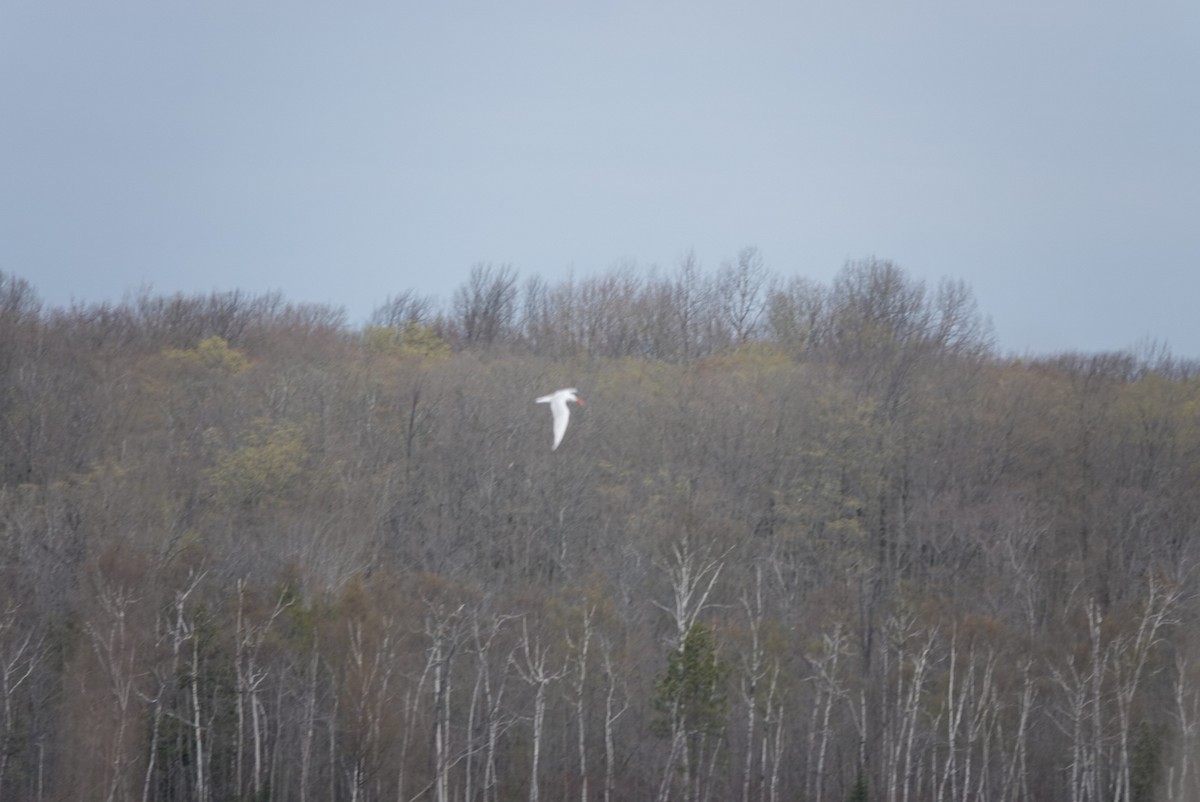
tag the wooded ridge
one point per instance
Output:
(803, 542)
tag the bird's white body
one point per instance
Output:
(562, 413)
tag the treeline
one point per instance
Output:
(691, 314)
(803, 542)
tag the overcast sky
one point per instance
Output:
(1046, 153)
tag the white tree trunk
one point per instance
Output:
(533, 669)
(611, 714)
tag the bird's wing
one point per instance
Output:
(562, 414)
(563, 393)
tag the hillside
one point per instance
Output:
(801, 542)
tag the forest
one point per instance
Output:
(804, 541)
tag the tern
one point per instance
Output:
(558, 406)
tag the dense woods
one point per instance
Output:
(804, 542)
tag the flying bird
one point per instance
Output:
(558, 406)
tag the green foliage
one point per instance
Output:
(263, 468)
(755, 361)
(858, 793)
(301, 617)
(414, 340)
(1145, 764)
(691, 693)
(212, 354)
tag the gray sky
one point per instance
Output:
(1046, 153)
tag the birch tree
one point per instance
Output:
(692, 573)
(579, 661)
(116, 651)
(488, 700)
(1080, 711)
(1182, 782)
(533, 664)
(756, 669)
(1131, 653)
(830, 689)
(21, 653)
(251, 676)
(906, 660)
(612, 712)
(445, 633)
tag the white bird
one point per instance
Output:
(558, 406)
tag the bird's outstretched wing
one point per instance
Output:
(562, 413)
(562, 416)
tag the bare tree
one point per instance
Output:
(741, 290)
(484, 309)
(1081, 710)
(532, 662)
(579, 658)
(251, 675)
(406, 308)
(21, 653)
(796, 314)
(692, 572)
(1131, 655)
(1182, 782)
(757, 668)
(445, 633)
(611, 713)
(488, 698)
(308, 735)
(830, 689)
(906, 660)
(970, 710)
(368, 693)
(691, 300)
(115, 648)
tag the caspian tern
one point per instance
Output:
(558, 406)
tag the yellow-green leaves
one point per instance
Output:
(212, 354)
(262, 468)
(413, 340)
